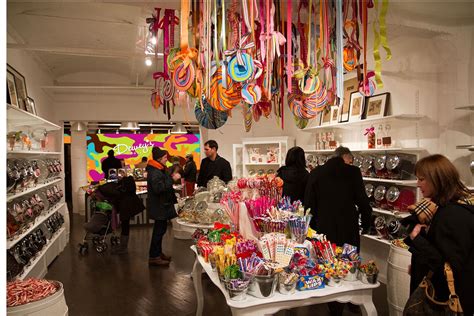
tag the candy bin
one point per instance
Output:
(369, 272)
(287, 282)
(335, 281)
(237, 289)
(263, 286)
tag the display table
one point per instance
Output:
(355, 292)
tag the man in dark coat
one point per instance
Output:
(110, 163)
(160, 203)
(333, 192)
(189, 174)
(213, 165)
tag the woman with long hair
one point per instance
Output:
(294, 174)
(442, 230)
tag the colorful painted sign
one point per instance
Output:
(132, 147)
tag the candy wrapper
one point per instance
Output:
(350, 252)
(275, 247)
(310, 282)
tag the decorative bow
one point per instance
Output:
(369, 131)
(277, 39)
(239, 50)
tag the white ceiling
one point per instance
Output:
(78, 39)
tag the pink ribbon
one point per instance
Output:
(369, 131)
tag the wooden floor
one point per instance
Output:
(105, 284)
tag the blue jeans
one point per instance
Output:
(159, 230)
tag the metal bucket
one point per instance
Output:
(263, 286)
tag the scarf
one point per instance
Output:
(426, 209)
(156, 164)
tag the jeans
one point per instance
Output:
(159, 230)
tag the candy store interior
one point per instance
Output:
(124, 144)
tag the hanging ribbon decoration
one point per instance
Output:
(289, 66)
(339, 45)
(241, 65)
(380, 38)
(153, 29)
(365, 84)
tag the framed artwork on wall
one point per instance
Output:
(30, 106)
(377, 105)
(326, 116)
(357, 103)
(350, 85)
(334, 114)
(20, 85)
(12, 97)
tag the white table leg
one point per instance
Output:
(247, 312)
(367, 306)
(196, 274)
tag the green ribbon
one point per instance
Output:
(380, 38)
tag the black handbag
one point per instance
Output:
(422, 301)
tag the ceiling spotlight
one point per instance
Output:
(79, 126)
(153, 40)
(129, 126)
(179, 129)
(148, 62)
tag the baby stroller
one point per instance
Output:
(101, 224)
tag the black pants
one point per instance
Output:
(159, 230)
(336, 308)
(125, 224)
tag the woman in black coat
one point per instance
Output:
(123, 196)
(294, 174)
(160, 203)
(450, 237)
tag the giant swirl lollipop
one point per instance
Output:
(207, 116)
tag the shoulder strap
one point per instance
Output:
(453, 302)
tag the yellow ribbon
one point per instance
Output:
(380, 38)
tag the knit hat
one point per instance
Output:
(157, 153)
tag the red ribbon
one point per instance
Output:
(369, 131)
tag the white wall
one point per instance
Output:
(36, 75)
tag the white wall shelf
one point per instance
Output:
(467, 108)
(468, 147)
(283, 143)
(32, 152)
(36, 188)
(375, 150)
(38, 220)
(399, 182)
(348, 125)
(18, 118)
(378, 239)
(390, 213)
(40, 260)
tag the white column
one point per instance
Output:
(78, 170)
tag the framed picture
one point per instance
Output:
(30, 105)
(20, 84)
(11, 90)
(377, 105)
(350, 85)
(334, 114)
(357, 103)
(326, 116)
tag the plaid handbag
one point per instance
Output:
(423, 302)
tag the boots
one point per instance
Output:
(122, 247)
(165, 257)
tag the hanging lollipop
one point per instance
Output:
(224, 99)
(241, 64)
(184, 74)
(247, 113)
(207, 116)
(300, 122)
(251, 93)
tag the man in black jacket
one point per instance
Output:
(333, 192)
(110, 163)
(213, 165)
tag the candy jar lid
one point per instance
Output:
(392, 162)
(367, 163)
(379, 193)
(369, 189)
(392, 194)
(379, 162)
(358, 160)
